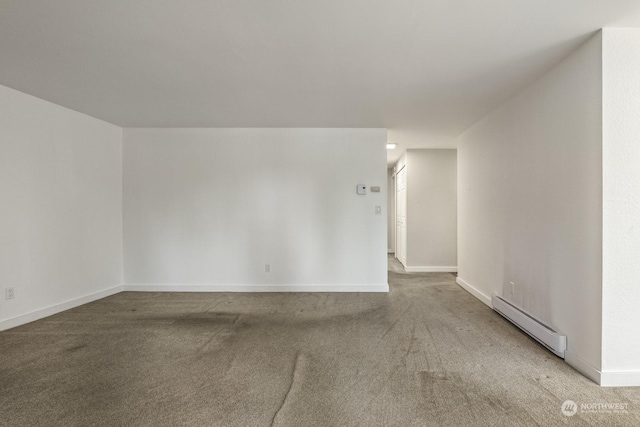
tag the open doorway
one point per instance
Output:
(425, 191)
(391, 212)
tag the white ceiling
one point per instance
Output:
(425, 69)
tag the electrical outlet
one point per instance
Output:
(9, 294)
(513, 288)
(267, 268)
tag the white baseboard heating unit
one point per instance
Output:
(546, 336)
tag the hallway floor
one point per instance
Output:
(427, 353)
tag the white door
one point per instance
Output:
(401, 216)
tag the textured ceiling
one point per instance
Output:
(424, 69)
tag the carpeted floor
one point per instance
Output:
(427, 353)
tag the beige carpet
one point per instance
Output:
(427, 353)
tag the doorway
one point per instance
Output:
(401, 215)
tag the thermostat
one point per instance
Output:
(361, 189)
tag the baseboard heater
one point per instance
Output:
(537, 330)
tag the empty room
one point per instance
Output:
(319, 213)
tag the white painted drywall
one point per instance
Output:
(401, 209)
(61, 209)
(391, 213)
(428, 241)
(530, 202)
(621, 202)
(213, 206)
(431, 210)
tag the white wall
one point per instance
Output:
(621, 206)
(391, 220)
(211, 207)
(401, 209)
(431, 210)
(61, 209)
(530, 203)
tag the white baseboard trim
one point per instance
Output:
(583, 367)
(603, 378)
(431, 269)
(620, 379)
(56, 308)
(475, 292)
(384, 287)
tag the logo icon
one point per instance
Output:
(569, 408)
